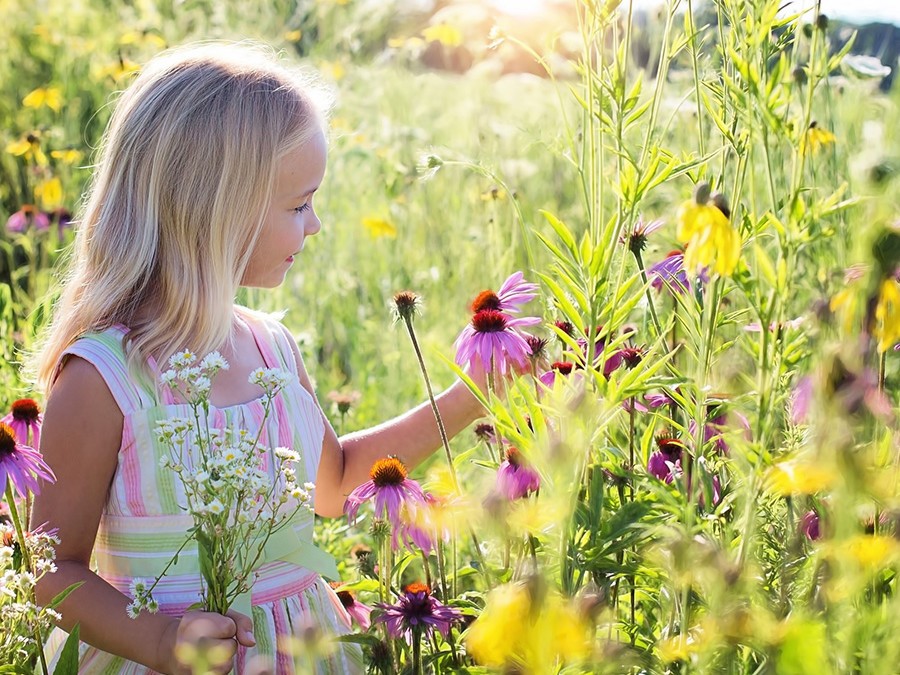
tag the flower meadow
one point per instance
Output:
(678, 274)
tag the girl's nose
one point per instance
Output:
(313, 225)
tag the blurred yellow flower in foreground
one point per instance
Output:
(120, 69)
(134, 37)
(49, 193)
(514, 631)
(379, 227)
(887, 315)
(710, 241)
(815, 138)
(44, 96)
(447, 35)
(293, 35)
(800, 477)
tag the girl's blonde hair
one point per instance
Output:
(186, 169)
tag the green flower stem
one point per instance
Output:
(26, 557)
(655, 318)
(696, 67)
(434, 408)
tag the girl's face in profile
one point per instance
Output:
(291, 216)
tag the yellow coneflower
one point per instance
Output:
(49, 193)
(815, 138)
(379, 227)
(711, 243)
(28, 147)
(44, 96)
(887, 315)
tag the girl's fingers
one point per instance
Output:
(244, 626)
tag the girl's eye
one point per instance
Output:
(302, 208)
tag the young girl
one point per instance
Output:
(205, 183)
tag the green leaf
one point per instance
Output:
(68, 657)
(62, 595)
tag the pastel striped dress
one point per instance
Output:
(143, 522)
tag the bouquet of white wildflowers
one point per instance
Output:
(236, 505)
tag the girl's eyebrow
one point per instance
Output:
(306, 194)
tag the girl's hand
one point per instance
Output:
(207, 636)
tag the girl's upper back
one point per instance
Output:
(139, 486)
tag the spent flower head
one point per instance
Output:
(406, 305)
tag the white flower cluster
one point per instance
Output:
(237, 491)
(141, 600)
(20, 617)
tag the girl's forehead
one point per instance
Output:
(301, 170)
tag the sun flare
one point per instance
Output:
(519, 7)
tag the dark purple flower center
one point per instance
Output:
(489, 321)
(536, 345)
(388, 471)
(484, 431)
(566, 327)
(562, 367)
(346, 598)
(486, 300)
(631, 356)
(25, 410)
(7, 441)
(670, 447)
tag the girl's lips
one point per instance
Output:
(290, 259)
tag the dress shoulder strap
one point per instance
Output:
(273, 340)
(105, 350)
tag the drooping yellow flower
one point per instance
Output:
(710, 241)
(49, 193)
(447, 35)
(815, 138)
(44, 96)
(514, 631)
(379, 227)
(887, 315)
(800, 477)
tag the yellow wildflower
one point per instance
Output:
(887, 315)
(28, 147)
(69, 156)
(447, 35)
(800, 477)
(49, 96)
(512, 631)
(118, 70)
(710, 240)
(872, 552)
(49, 193)
(815, 138)
(379, 227)
(293, 35)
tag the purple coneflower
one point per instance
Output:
(358, 611)
(515, 478)
(637, 239)
(801, 398)
(629, 356)
(514, 293)
(669, 272)
(20, 465)
(665, 463)
(417, 613)
(658, 400)
(484, 431)
(26, 216)
(26, 416)
(809, 525)
(561, 367)
(492, 338)
(391, 489)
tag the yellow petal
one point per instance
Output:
(19, 147)
(49, 193)
(69, 156)
(887, 315)
(800, 477)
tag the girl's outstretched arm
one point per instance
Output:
(412, 437)
(80, 440)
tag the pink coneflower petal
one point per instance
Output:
(21, 466)
(801, 398)
(516, 292)
(391, 490)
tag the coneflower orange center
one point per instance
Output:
(7, 440)
(514, 457)
(417, 587)
(489, 321)
(25, 410)
(346, 598)
(388, 471)
(485, 300)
